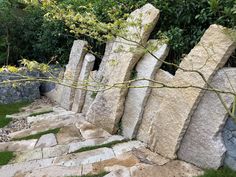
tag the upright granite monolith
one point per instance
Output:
(173, 116)
(80, 93)
(72, 72)
(107, 108)
(137, 96)
(153, 104)
(202, 144)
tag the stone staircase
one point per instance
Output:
(75, 147)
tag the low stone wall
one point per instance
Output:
(21, 91)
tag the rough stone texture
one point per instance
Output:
(57, 114)
(11, 169)
(146, 156)
(56, 93)
(72, 72)
(174, 114)
(90, 95)
(202, 144)
(153, 104)
(55, 151)
(47, 140)
(86, 157)
(80, 94)
(25, 91)
(28, 156)
(18, 145)
(53, 171)
(172, 169)
(90, 131)
(107, 108)
(68, 134)
(127, 147)
(93, 142)
(229, 137)
(137, 97)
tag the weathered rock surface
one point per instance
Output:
(107, 108)
(173, 116)
(68, 134)
(202, 144)
(153, 104)
(137, 97)
(18, 145)
(80, 94)
(90, 95)
(72, 72)
(172, 169)
(47, 140)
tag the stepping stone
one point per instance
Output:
(35, 154)
(55, 151)
(68, 134)
(90, 131)
(87, 157)
(11, 169)
(47, 140)
(93, 142)
(127, 147)
(53, 171)
(18, 145)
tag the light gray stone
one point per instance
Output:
(80, 94)
(72, 72)
(127, 147)
(35, 154)
(54, 171)
(107, 108)
(137, 97)
(68, 134)
(11, 169)
(202, 144)
(47, 140)
(55, 151)
(18, 145)
(153, 104)
(87, 157)
(173, 116)
(90, 94)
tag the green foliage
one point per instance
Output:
(223, 172)
(37, 135)
(6, 157)
(40, 113)
(7, 109)
(107, 145)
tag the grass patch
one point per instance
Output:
(108, 145)
(10, 109)
(222, 172)
(37, 135)
(5, 157)
(91, 175)
(40, 113)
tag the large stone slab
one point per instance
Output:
(107, 108)
(11, 169)
(91, 93)
(47, 140)
(153, 104)
(80, 94)
(202, 144)
(72, 72)
(18, 145)
(173, 116)
(137, 97)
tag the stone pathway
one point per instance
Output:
(77, 147)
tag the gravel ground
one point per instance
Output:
(20, 124)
